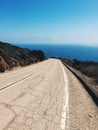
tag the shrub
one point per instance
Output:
(2, 68)
(88, 68)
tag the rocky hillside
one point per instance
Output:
(13, 56)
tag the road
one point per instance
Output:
(45, 96)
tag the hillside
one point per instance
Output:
(86, 70)
(13, 56)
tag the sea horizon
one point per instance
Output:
(79, 52)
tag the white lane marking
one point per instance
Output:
(65, 102)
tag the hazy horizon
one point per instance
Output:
(51, 44)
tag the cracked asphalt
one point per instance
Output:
(32, 98)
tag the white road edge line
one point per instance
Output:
(65, 109)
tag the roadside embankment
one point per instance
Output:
(87, 82)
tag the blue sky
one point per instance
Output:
(49, 21)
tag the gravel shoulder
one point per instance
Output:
(89, 81)
(83, 113)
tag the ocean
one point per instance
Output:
(83, 53)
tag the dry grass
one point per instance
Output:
(88, 68)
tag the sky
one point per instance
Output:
(49, 21)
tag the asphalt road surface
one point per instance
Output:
(45, 96)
